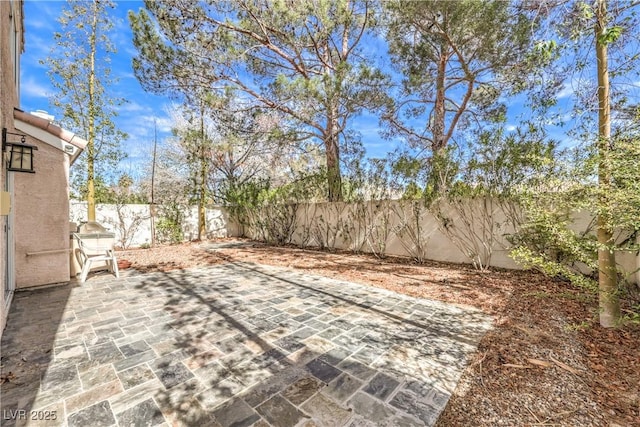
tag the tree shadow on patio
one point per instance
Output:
(35, 332)
(233, 326)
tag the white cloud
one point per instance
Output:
(125, 74)
(367, 125)
(574, 86)
(43, 16)
(35, 89)
(566, 91)
(164, 124)
(130, 51)
(37, 48)
(132, 107)
(139, 126)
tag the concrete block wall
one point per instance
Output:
(132, 223)
(362, 228)
(366, 227)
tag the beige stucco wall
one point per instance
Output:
(42, 219)
(5, 105)
(8, 100)
(360, 227)
(363, 224)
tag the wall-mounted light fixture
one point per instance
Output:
(20, 155)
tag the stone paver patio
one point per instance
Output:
(231, 345)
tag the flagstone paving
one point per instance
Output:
(231, 345)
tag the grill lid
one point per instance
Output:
(92, 227)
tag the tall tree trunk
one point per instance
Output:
(332, 150)
(202, 191)
(334, 178)
(607, 275)
(438, 123)
(91, 192)
(437, 179)
(331, 137)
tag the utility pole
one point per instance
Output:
(152, 208)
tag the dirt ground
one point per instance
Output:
(546, 362)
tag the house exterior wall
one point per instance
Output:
(41, 219)
(11, 46)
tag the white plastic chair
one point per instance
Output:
(89, 255)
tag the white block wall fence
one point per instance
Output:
(392, 227)
(132, 223)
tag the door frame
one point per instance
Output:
(10, 247)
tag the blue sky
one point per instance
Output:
(136, 117)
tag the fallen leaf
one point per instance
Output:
(539, 362)
(564, 366)
(7, 378)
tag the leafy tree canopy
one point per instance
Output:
(303, 59)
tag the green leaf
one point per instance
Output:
(610, 35)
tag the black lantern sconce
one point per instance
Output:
(20, 155)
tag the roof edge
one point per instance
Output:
(50, 128)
